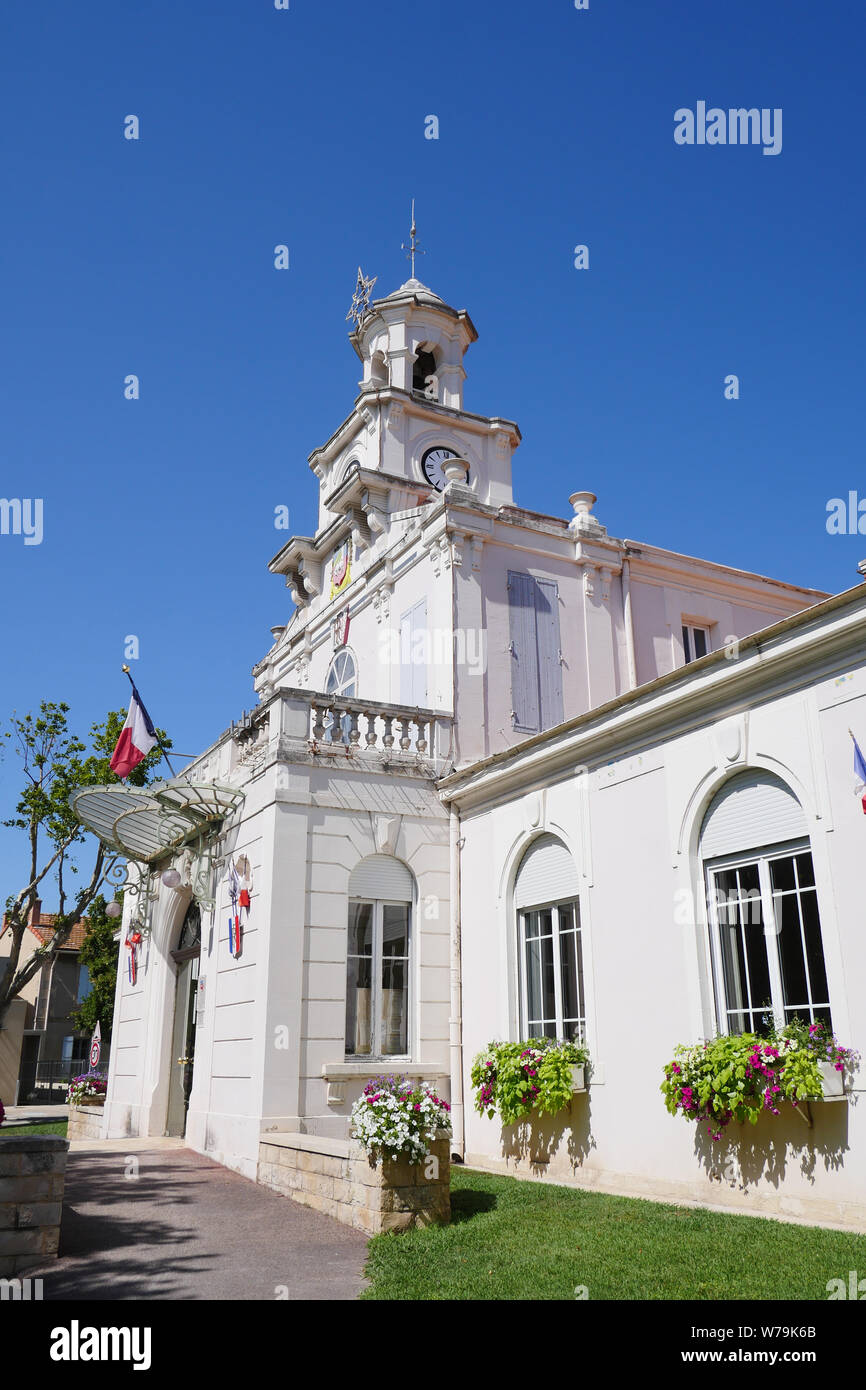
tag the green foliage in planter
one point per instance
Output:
(737, 1077)
(516, 1078)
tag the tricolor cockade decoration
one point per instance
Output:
(133, 941)
(240, 887)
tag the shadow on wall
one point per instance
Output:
(747, 1155)
(565, 1137)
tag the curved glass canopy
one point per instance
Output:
(146, 823)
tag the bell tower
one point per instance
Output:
(413, 341)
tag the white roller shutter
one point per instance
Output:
(547, 874)
(752, 810)
(381, 876)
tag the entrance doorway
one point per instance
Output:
(186, 958)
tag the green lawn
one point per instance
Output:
(521, 1240)
(26, 1130)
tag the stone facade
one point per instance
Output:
(85, 1122)
(32, 1177)
(336, 1177)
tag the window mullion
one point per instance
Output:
(522, 977)
(810, 996)
(557, 972)
(749, 1002)
(771, 942)
(716, 949)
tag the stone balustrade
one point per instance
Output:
(372, 725)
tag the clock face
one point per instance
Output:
(431, 466)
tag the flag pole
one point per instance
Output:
(159, 743)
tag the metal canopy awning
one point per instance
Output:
(147, 823)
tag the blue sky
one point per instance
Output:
(306, 127)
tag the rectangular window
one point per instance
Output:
(770, 958)
(536, 657)
(696, 642)
(377, 980)
(552, 972)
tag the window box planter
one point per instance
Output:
(741, 1076)
(522, 1080)
(832, 1081)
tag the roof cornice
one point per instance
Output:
(782, 655)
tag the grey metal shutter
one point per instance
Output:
(753, 809)
(414, 643)
(381, 876)
(547, 874)
(549, 665)
(525, 695)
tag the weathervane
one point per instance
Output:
(361, 298)
(413, 249)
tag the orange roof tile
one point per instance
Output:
(45, 930)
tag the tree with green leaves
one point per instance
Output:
(99, 952)
(55, 763)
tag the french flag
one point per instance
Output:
(137, 737)
(859, 773)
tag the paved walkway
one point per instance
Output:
(187, 1228)
(44, 1114)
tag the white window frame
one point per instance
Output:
(376, 1054)
(762, 856)
(345, 721)
(553, 907)
(688, 634)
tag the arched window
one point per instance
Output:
(189, 939)
(767, 951)
(342, 679)
(423, 367)
(342, 674)
(552, 1000)
(378, 958)
(190, 932)
(379, 369)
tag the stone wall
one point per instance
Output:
(335, 1176)
(85, 1122)
(32, 1176)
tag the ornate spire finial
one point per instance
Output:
(361, 298)
(413, 249)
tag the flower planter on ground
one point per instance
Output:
(88, 1089)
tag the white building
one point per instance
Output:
(466, 687)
